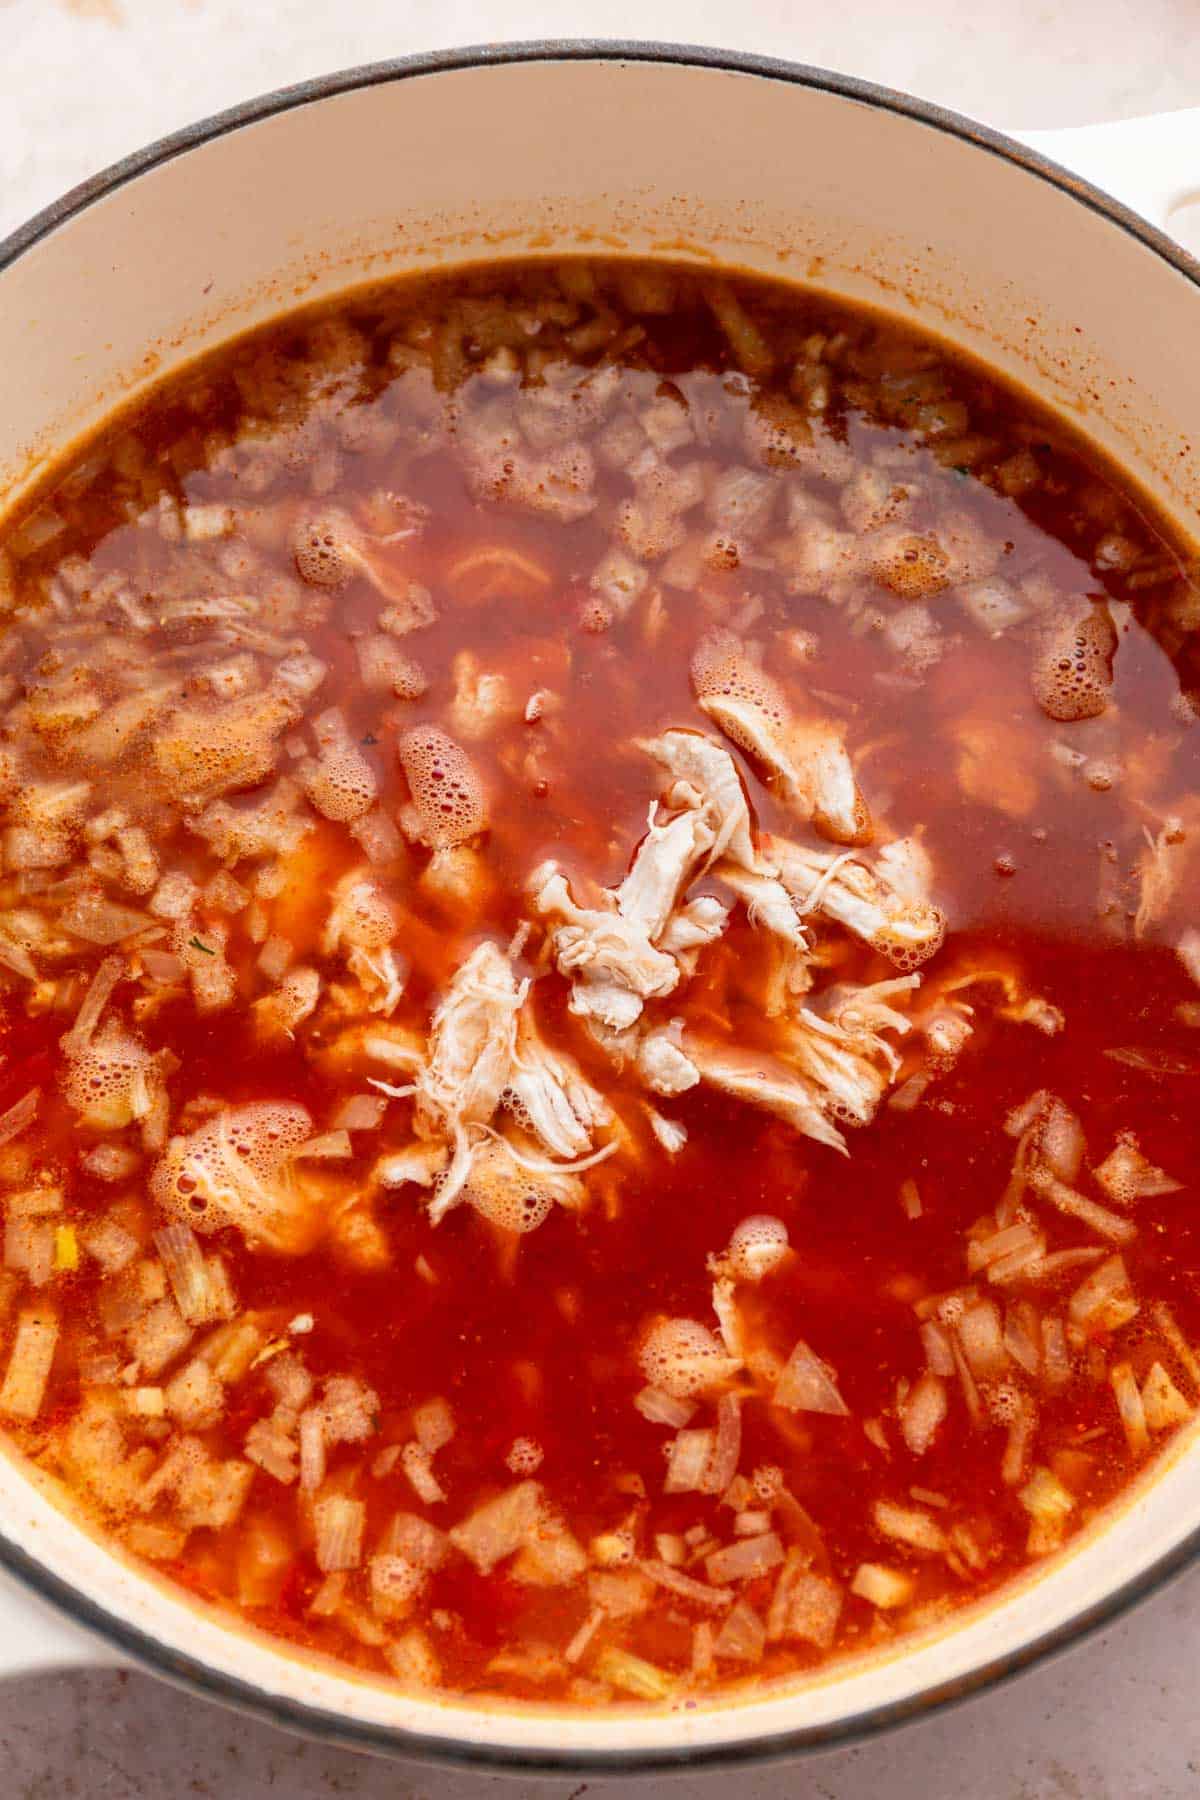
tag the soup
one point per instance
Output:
(600, 982)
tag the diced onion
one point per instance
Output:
(418, 1466)
(1023, 1336)
(19, 1115)
(633, 1675)
(1164, 1318)
(909, 1525)
(359, 1112)
(187, 1272)
(1056, 1357)
(727, 1445)
(499, 1527)
(330, 1146)
(883, 1587)
(939, 1356)
(698, 1592)
(434, 1425)
(1044, 1497)
(807, 1385)
(743, 1636)
(922, 1411)
(1021, 1431)
(94, 1001)
(663, 1409)
(688, 1463)
(744, 1560)
(1097, 1218)
(1162, 1403)
(982, 1340)
(578, 1645)
(312, 1449)
(810, 1610)
(1129, 1405)
(338, 1523)
(1105, 1300)
(29, 1365)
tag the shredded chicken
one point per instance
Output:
(887, 905)
(838, 1044)
(807, 757)
(705, 776)
(665, 859)
(1161, 870)
(548, 1094)
(766, 1082)
(610, 960)
(484, 1053)
(472, 1041)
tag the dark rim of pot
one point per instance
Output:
(295, 1715)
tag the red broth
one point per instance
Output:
(818, 721)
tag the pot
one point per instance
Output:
(866, 195)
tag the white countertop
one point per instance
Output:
(84, 81)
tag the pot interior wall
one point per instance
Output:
(488, 161)
(492, 161)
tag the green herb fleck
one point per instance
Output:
(961, 470)
(369, 739)
(197, 945)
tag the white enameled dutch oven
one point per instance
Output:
(488, 153)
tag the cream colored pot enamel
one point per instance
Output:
(863, 195)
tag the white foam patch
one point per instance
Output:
(908, 956)
(409, 680)
(723, 669)
(1004, 1402)
(323, 549)
(758, 1245)
(1072, 671)
(506, 1194)
(97, 1082)
(445, 785)
(682, 1357)
(362, 914)
(341, 784)
(525, 1456)
(235, 1170)
(231, 746)
(911, 566)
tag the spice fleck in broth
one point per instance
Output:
(600, 982)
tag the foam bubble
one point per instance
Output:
(324, 550)
(409, 680)
(209, 752)
(98, 1081)
(1004, 1402)
(682, 1357)
(361, 914)
(722, 669)
(1072, 667)
(907, 953)
(341, 783)
(758, 1245)
(911, 565)
(445, 786)
(559, 485)
(507, 1195)
(234, 1170)
(525, 1456)
(767, 1482)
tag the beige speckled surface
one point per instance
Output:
(82, 83)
